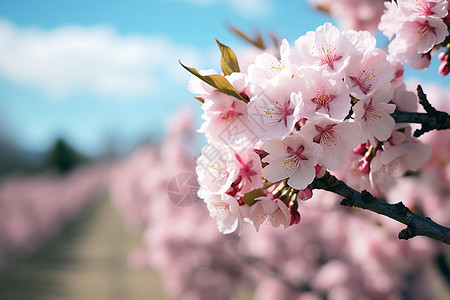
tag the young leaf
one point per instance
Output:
(200, 99)
(229, 60)
(250, 197)
(276, 41)
(216, 81)
(257, 41)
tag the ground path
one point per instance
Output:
(87, 261)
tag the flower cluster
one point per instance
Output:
(352, 14)
(415, 27)
(335, 254)
(275, 128)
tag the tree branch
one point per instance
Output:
(432, 119)
(416, 225)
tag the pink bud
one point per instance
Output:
(292, 222)
(398, 73)
(441, 56)
(232, 191)
(444, 69)
(320, 171)
(305, 194)
(293, 206)
(361, 149)
(302, 122)
(295, 218)
(364, 165)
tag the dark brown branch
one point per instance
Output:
(416, 225)
(432, 119)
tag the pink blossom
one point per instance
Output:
(225, 210)
(272, 210)
(220, 111)
(405, 100)
(267, 67)
(324, 48)
(418, 26)
(336, 140)
(225, 117)
(423, 33)
(399, 71)
(217, 168)
(424, 8)
(418, 61)
(363, 41)
(248, 55)
(365, 76)
(324, 93)
(353, 14)
(249, 171)
(391, 20)
(293, 158)
(330, 275)
(373, 116)
(275, 110)
(34, 209)
(195, 261)
(197, 86)
(278, 213)
(395, 160)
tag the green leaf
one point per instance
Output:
(216, 81)
(257, 41)
(229, 60)
(250, 197)
(323, 8)
(200, 99)
(276, 41)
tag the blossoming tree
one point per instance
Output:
(295, 118)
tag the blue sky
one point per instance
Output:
(107, 71)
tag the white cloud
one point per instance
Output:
(96, 59)
(256, 8)
(248, 8)
(199, 2)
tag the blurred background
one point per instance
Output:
(97, 139)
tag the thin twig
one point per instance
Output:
(416, 225)
(432, 119)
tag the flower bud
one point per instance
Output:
(444, 69)
(320, 171)
(295, 218)
(364, 165)
(232, 191)
(293, 206)
(302, 122)
(361, 149)
(305, 194)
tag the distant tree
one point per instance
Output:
(63, 157)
